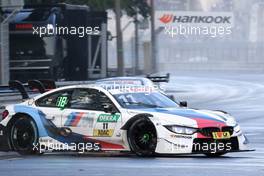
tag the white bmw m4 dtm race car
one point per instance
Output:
(97, 118)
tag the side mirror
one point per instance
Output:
(109, 108)
(183, 104)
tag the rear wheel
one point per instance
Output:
(142, 137)
(24, 136)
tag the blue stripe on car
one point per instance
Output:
(37, 117)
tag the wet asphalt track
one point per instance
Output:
(240, 94)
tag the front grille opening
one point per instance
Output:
(207, 131)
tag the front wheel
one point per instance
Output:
(24, 136)
(142, 137)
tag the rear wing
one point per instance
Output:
(41, 85)
(17, 85)
(159, 79)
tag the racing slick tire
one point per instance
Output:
(142, 137)
(24, 136)
(213, 155)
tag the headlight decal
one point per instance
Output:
(181, 129)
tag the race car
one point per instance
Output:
(93, 118)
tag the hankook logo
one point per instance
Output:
(198, 19)
(166, 18)
(191, 23)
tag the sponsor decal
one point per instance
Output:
(103, 132)
(191, 23)
(193, 17)
(180, 136)
(80, 119)
(221, 135)
(73, 119)
(179, 146)
(108, 117)
(166, 18)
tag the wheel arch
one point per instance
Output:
(134, 118)
(15, 117)
(129, 127)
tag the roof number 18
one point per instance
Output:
(62, 102)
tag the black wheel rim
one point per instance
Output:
(23, 135)
(144, 137)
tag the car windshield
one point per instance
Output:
(144, 100)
